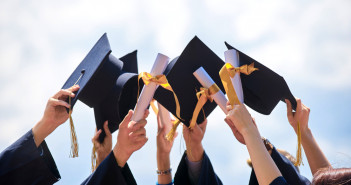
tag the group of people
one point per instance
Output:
(28, 160)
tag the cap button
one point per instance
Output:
(83, 71)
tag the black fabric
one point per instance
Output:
(286, 168)
(103, 79)
(180, 76)
(24, 163)
(207, 175)
(279, 181)
(121, 96)
(263, 89)
(108, 172)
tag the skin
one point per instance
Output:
(265, 168)
(193, 138)
(131, 137)
(163, 151)
(103, 149)
(314, 154)
(55, 114)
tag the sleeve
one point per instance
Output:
(279, 181)
(108, 172)
(24, 163)
(286, 168)
(207, 174)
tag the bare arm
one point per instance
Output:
(265, 168)
(314, 154)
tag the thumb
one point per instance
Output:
(289, 109)
(127, 119)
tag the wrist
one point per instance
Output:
(163, 161)
(121, 156)
(195, 152)
(250, 131)
(40, 131)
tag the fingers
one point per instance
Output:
(63, 92)
(107, 130)
(137, 125)
(126, 119)
(96, 136)
(74, 88)
(289, 109)
(146, 113)
(298, 106)
(56, 102)
(203, 125)
(138, 133)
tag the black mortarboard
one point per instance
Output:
(179, 73)
(263, 88)
(106, 84)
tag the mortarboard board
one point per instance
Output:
(179, 73)
(264, 88)
(106, 81)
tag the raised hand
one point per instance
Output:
(131, 137)
(301, 115)
(54, 115)
(104, 148)
(193, 138)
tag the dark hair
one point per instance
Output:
(332, 176)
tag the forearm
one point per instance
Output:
(164, 164)
(265, 168)
(41, 131)
(121, 156)
(314, 154)
(195, 152)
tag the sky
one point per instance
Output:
(306, 42)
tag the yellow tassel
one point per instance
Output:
(93, 159)
(74, 142)
(171, 133)
(299, 148)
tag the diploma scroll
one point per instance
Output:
(148, 91)
(206, 81)
(231, 56)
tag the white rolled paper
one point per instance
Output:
(231, 56)
(206, 81)
(148, 91)
(165, 117)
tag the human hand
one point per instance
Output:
(163, 145)
(131, 137)
(104, 148)
(193, 138)
(54, 115)
(301, 115)
(241, 122)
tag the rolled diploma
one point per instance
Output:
(232, 58)
(206, 81)
(165, 117)
(148, 91)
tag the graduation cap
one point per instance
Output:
(263, 89)
(107, 84)
(179, 73)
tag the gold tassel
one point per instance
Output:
(299, 148)
(93, 159)
(74, 142)
(171, 133)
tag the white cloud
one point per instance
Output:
(42, 42)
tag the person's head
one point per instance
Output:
(332, 176)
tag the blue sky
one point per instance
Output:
(308, 43)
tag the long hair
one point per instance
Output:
(337, 176)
